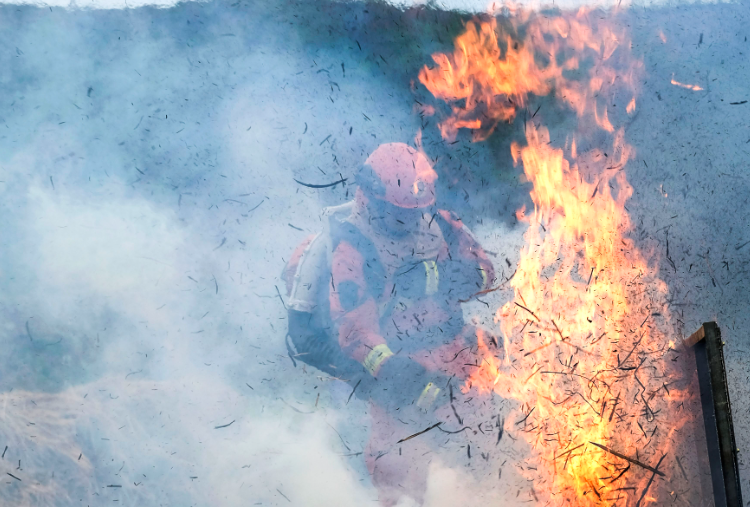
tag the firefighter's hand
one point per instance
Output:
(402, 382)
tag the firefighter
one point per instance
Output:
(387, 313)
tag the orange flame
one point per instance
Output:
(631, 106)
(494, 75)
(585, 329)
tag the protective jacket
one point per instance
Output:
(360, 300)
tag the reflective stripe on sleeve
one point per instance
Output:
(427, 398)
(484, 278)
(376, 357)
(433, 277)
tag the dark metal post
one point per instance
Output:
(717, 415)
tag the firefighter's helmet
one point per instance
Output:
(400, 175)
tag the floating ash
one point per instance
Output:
(602, 400)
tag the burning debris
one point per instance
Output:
(587, 331)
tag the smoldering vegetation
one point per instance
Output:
(148, 206)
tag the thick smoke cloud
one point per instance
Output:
(148, 208)
(139, 304)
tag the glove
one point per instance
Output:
(402, 382)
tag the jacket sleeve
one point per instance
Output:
(470, 251)
(354, 311)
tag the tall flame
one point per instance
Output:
(494, 80)
(587, 328)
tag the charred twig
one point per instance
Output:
(534, 373)
(564, 341)
(282, 494)
(588, 403)
(594, 490)
(681, 469)
(614, 407)
(631, 352)
(339, 435)
(224, 425)
(631, 460)
(457, 353)
(565, 465)
(650, 415)
(641, 427)
(258, 206)
(621, 474)
(532, 313)
(539, 348)
(556, 403)
(487, 291)
(644, 321)
(295, 408)
(656, 471)
(568, 451)
(460, 421)
(494, 342)
(527, 416)
(558, 331)
(280, 298)
(325, 185)
(579, 349)
(352, 393)
(454, 432)
(419, 433)
(431, 219)
(576, 375)
(639, 365)
(600, 337)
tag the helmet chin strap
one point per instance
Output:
(392, 221)
(393, 232)
(382, 217)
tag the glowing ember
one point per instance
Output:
(587, 328)
(695, 88)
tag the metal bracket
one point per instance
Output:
(717, 414)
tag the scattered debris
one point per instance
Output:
(419, 433)
(326, 185)
(632, 460)
(352, 393)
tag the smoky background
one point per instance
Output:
(147, 165)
